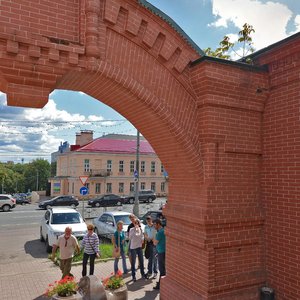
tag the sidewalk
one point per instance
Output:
(30, 279)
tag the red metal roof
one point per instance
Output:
(116, 146)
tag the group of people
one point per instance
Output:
(153, 238)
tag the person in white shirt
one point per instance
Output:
(136, 238)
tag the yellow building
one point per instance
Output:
(108, 163)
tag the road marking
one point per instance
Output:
(23, 224)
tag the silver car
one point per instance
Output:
(106, 224)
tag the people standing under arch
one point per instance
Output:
(118, 241)
(149, 234)
(160, 243)
(90, 244)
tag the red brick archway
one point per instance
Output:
(204, 119)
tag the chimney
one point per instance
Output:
(84, 137)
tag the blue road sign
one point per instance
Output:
(135, 174)
(84, 190)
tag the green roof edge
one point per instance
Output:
(173, 24)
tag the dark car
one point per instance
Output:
(106, 200)
(144, 196)
(59, 201)
(22, 200)
(154, 214)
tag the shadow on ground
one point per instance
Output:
(36, 249)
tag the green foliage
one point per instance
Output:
(244, 39)
(113, 282)
(65, 287)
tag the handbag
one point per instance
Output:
(117, 250)
(147, 251)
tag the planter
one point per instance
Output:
(76, 296)
(118, 294)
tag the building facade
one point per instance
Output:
(109, 164)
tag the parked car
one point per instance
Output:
(144, 196)
(154, 214)
(21, 199)
(106, 200)
(106, 224)
(55, 221)
(7, 202)
(59, 201)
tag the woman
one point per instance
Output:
(90, 244)
(136, 238)
(118, 241)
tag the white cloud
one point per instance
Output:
(268, 19)
(297, 24)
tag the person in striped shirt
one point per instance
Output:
(90, 244)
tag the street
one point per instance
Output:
(25, 270)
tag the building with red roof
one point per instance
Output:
(107, 164)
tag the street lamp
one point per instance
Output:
(137, 176)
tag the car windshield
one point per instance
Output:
(124, 218)
(65, 218)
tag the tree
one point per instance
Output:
(225, 45)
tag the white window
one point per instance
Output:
(143, 185)
(121, 187)
(108, 188)
(162, 187)
(98, 188)
(131, 166)
(73, 188)
(86, 165)
(131, 187)
(153, 186)
(143, 164)
(109, 165)
(152, 166)
(121, 166)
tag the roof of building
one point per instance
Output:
(116, 146)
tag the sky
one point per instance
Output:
(27, 134)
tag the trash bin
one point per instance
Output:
(267, 293)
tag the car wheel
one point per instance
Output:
(6, 207)
(131, 201)
(150, 200)
(73, 205)
(119, 203)
(97, 204)
(48, 247)
(41, 236)
(23, 203)
(48, 206)
(96, 231)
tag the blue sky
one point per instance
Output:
(32, 133)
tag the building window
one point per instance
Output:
(153, 186)
(108, 188)
(121, 187)
(152, 166)
(131, 166)
(98, 188)
(162, 168)
(86, 165)
(73, 188)
(109, 165)
(121, 166)
(143, 166)
(162, 187)
(143, 185)
(131, 187)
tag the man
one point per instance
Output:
(150, 233)
(67, 244)
(132, 218)
(160, 243)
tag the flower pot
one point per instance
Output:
(117, 294)
(76, 296)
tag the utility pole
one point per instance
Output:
(137, 176)
(37, 180)
(2, 184)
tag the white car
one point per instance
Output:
(55, 221)
(106, 224)
(7, 202)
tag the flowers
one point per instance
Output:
(64, 287)
(113, 282)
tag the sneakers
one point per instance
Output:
(155, 275)
(134, 279)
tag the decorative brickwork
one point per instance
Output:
(228, 133)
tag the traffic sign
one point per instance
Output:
(83, 179)
(84, 190)
(136, 174)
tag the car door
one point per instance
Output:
(44, 223)
(100, 224)
(110, 226)
(62, 201)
